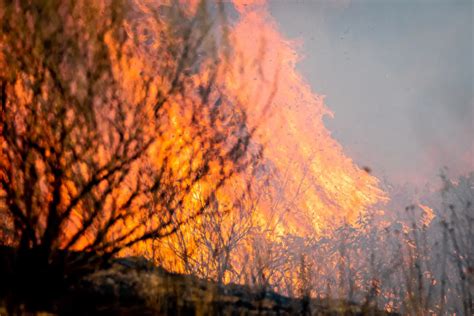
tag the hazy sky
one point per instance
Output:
(397, 74)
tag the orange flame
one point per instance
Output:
(306, 185)
(320, 184)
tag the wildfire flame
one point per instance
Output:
(305, 183)
(145, 128)
(320, 183)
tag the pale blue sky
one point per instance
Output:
(397, 74)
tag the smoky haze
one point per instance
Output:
(398, 76)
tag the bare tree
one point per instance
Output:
(110, 122)
(211, 247)
(458, 232)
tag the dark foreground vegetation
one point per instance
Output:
(134, 286)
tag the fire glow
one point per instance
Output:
(305, 184)
(299, 182)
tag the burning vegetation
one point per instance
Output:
(181, 132)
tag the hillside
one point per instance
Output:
(134, 286)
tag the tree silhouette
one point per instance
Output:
(112, 125)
